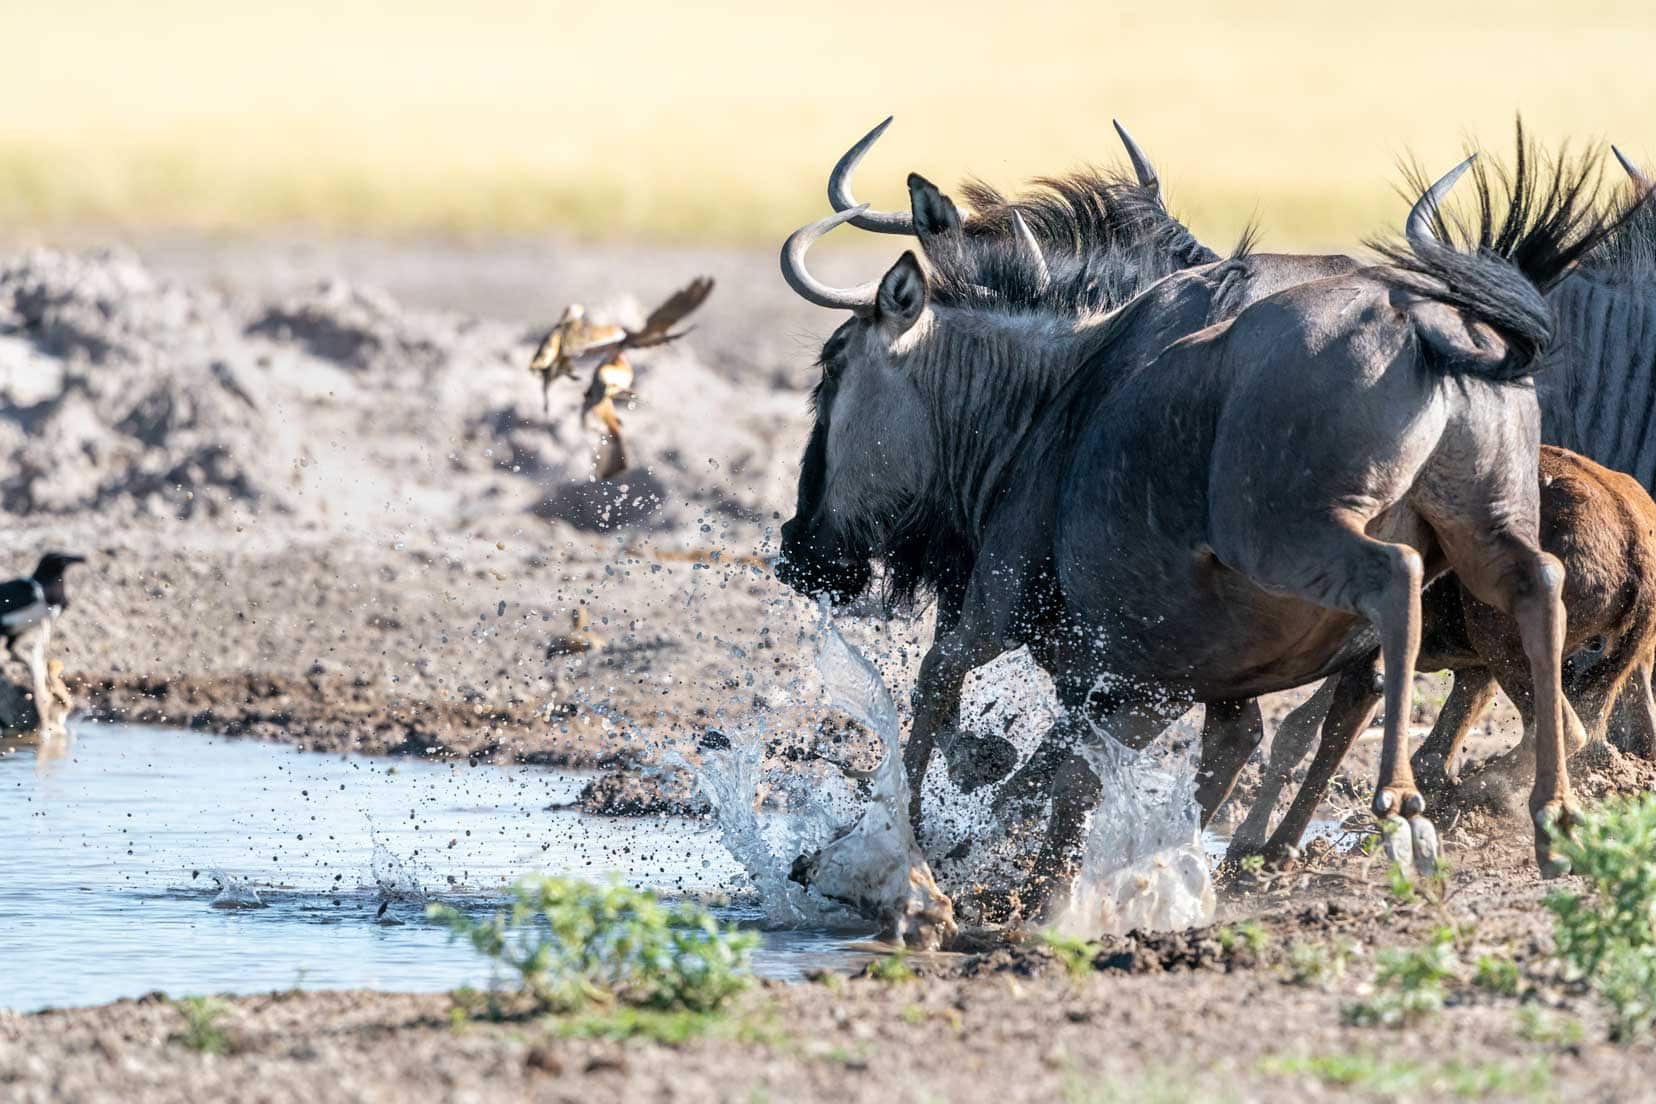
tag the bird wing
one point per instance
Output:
(585, 338)
(551, 349)
(658, 327)
(22, 603)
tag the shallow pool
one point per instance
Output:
(111, 860)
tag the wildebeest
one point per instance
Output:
(1604, 351)
(1124, 503)
(1602, 526)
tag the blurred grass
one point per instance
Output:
(719, 121)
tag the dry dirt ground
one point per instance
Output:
(322, 503)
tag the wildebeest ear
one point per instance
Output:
(934, 212)
(902, 295)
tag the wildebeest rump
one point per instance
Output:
(1137, 527)
(1602, 526)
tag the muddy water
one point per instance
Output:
(113, 859)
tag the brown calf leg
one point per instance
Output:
(1634, 723)
(1471, 694)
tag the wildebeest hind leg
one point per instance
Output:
(1512, 574)
(1231, 730)
(1292, 739)
(1351, 706)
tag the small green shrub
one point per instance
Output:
(1317, 964)
(1498, 975)
(1076, 955)
(893, 969)
(202, 1030)
(1606, 935)
(571, 943)
(1410, 983)
(1249, 935)
(1535, 1025)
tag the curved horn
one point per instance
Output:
(1640, 180)
(1025, 238)
(1423, 215)
(1142, 168)
(839, 189)
(809, 287)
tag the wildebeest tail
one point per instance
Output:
(1497, 266)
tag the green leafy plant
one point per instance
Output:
(1498, 975)
(1317, 964)
(1410, 983)
(1249, 935)
(572, 944)
(1076, 955)
(893, 969)
(1535, 1025)
(1606, 936)
(1393, 1078)
(203, 1032)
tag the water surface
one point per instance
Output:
(112, 858)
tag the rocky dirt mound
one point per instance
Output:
(126, 394)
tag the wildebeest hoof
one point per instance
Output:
(1553, 820)
(1427, 849)
(1404, 801)
(1399, 842)
(977, 761)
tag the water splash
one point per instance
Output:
(819, 852)
(234, 892)
(1145, 868)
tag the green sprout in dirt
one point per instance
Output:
(1249, 935)
(203, 1031)
(1605, 936)
(572, 944)
(1076, 955)
(1316, 965)
(893, 969)
(1497, 975)
(1410, 983)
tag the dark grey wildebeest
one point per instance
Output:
(1206, 520)
(1605, 342)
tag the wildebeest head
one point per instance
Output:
(867, 457)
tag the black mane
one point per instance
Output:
(1629, 249)
(1104, 237)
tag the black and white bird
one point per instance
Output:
(33, 599)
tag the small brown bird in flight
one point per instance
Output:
(574, 339)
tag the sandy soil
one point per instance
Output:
(323, 504)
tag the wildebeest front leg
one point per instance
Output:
(1231, 730)
(937, 702)
(1293, 738)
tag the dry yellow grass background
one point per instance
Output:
(719, 121)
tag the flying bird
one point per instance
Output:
(575, 339)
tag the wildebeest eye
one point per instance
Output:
(1595, 646)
